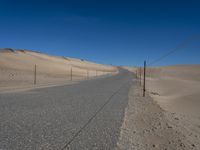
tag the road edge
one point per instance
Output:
(147, 126)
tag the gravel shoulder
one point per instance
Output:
(147, 126)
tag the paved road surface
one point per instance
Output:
(82, 116)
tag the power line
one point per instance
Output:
(182, 45)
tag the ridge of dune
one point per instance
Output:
(6, 50)
(17, 67)
(25, 57)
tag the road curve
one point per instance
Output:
(82, 116)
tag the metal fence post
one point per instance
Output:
(144, 85)
(87, 73)
(140, 76)
(71, 74)
(35, 74)
(136, 74)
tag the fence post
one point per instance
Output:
(35, 74)
(140, 76)
(87, 73)
(136, 73)
(71, 74)
(144, 85)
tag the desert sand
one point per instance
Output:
(169, 116)
(17, 69)
(176, 88)
(147, 126)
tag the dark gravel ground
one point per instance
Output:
(49, 118)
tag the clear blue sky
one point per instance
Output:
(115, 32)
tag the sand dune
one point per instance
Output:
(171, 119)
(17, 68)
(175, 88)
(131, 69)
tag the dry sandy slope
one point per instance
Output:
(168, 117)
(176, 88)
(147, 126)
(17, 68)
(131, 69)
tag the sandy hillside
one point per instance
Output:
(168, 117)
(147, 126)
(17, 68)
(131, 69)
(176, 88)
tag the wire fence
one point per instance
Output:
(148, 70)
(38, 75)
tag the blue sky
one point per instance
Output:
(109, 32)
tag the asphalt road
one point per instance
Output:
(87, 115)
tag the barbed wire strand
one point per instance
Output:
(181, 46)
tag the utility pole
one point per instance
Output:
(144, 85)
(87, 73)
(35, 74)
